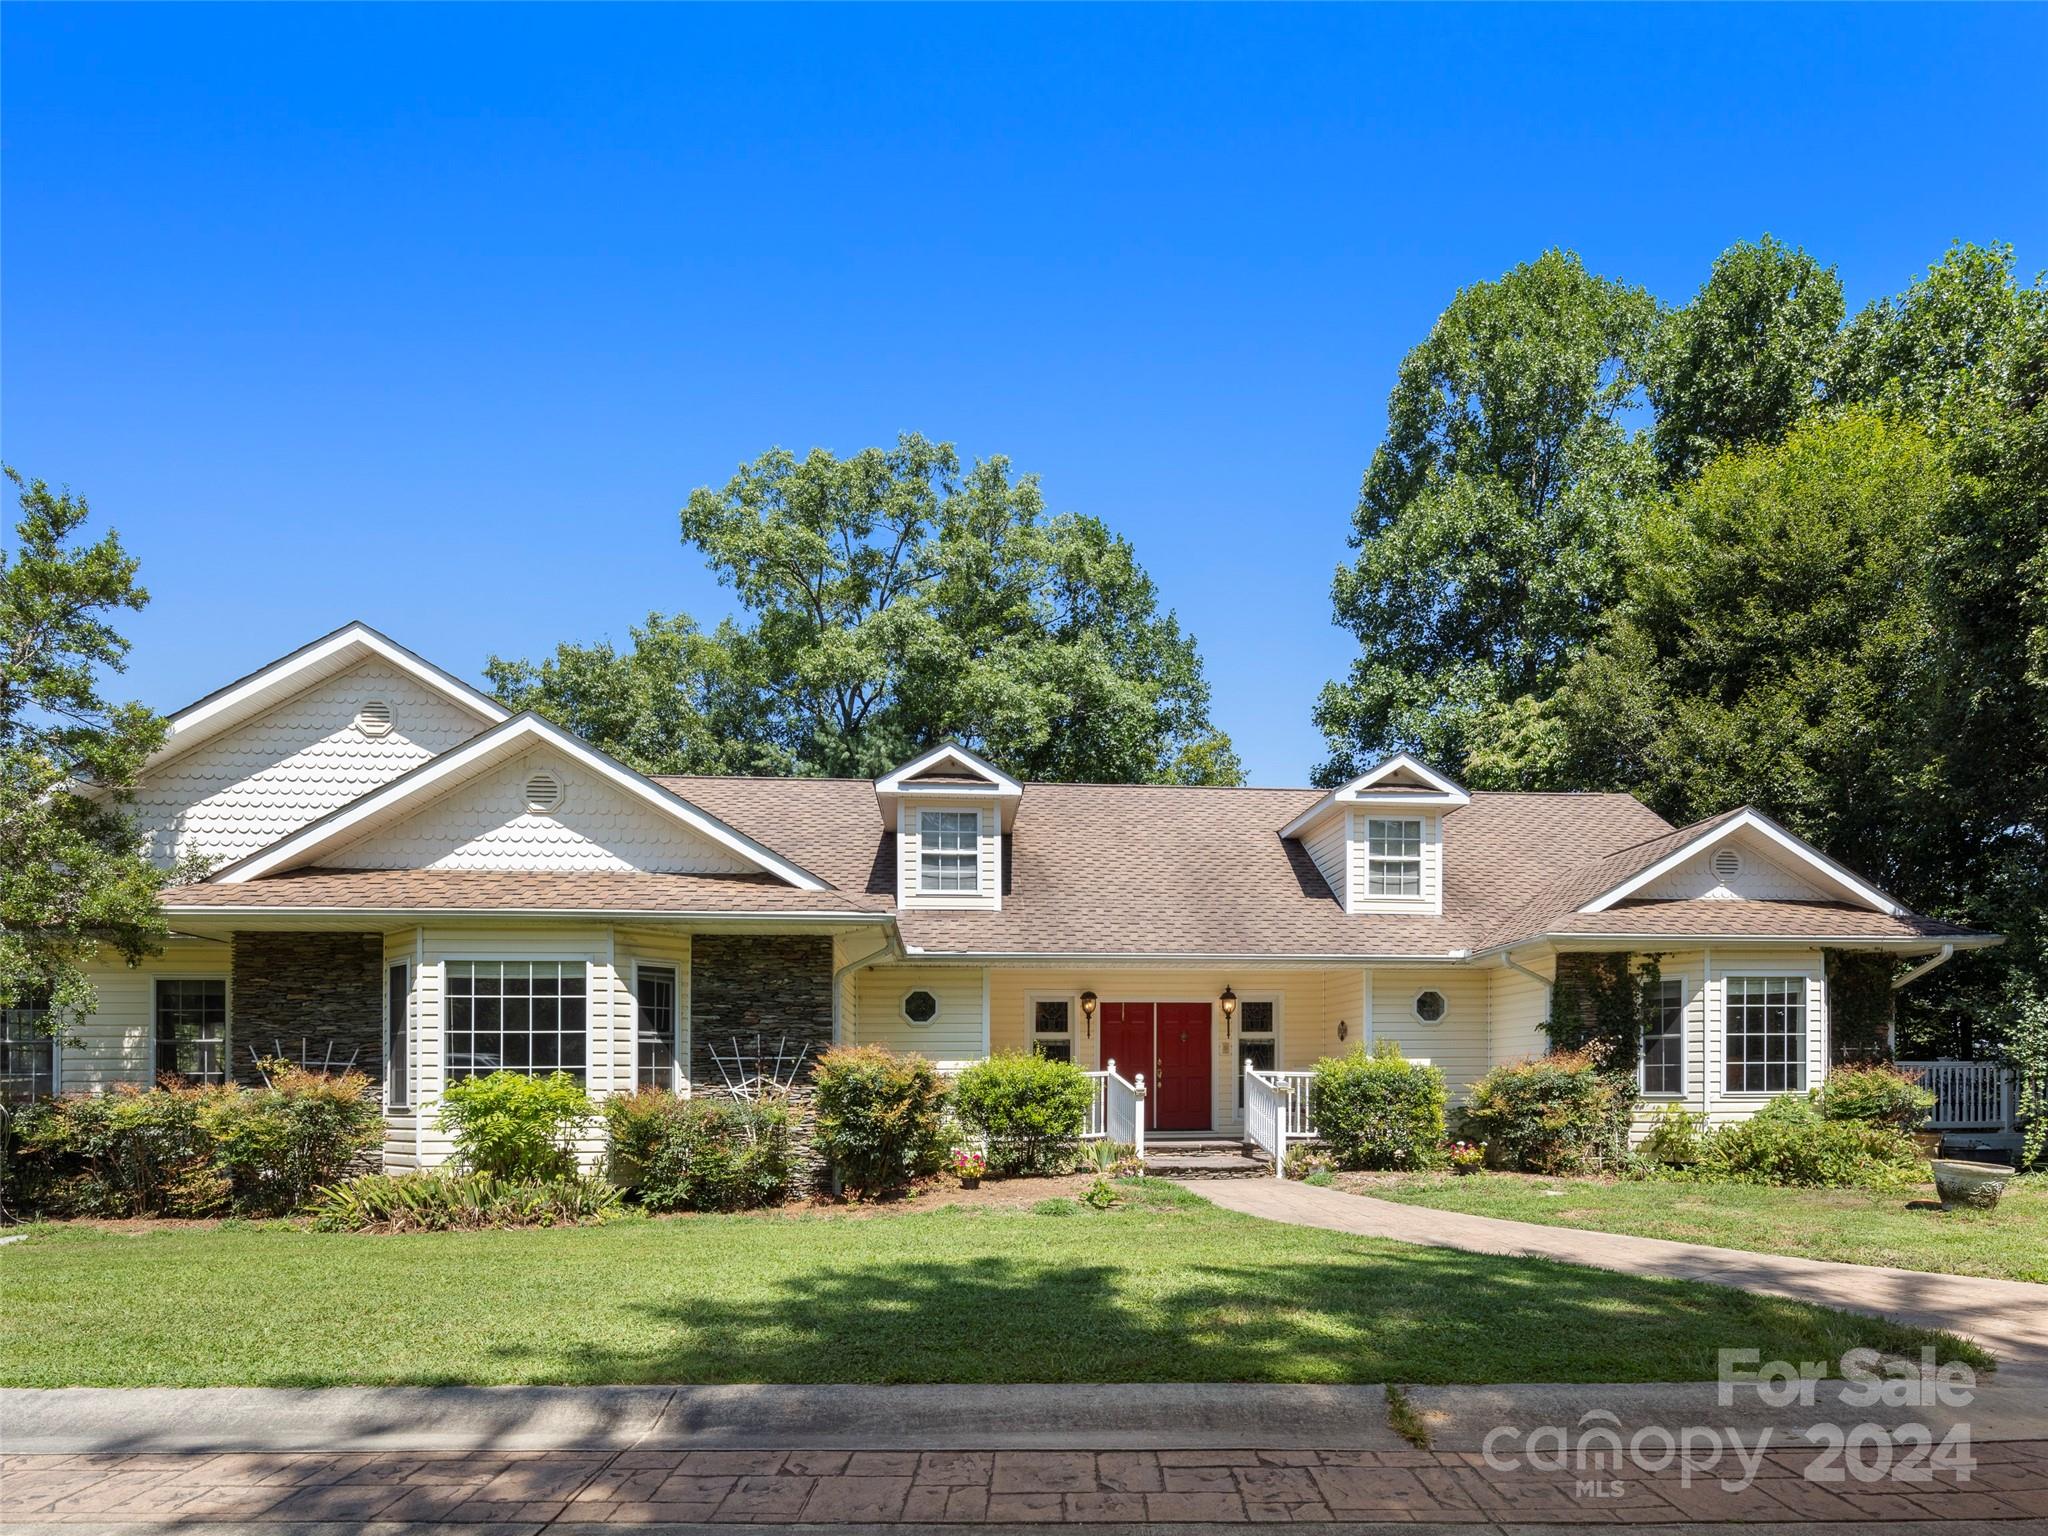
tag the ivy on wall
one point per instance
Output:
(1860, 1004)
(1604, 1002)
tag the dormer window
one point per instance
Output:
(1393, 859)
(949, 852)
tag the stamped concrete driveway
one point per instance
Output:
(2007, 1317)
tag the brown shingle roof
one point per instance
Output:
(1758, 919)
(473, 890)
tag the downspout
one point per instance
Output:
(1892, 1034)
(891, 946)
(1549, 994)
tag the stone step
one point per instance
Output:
(1224, 1160)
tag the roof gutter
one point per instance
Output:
(1924, 967)
(891, 945)
(1549, 987)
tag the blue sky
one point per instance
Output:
(435, 316)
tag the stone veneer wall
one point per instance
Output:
(744, 985)
(315, 987)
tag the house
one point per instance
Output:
(404, 876)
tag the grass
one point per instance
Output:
(1163, 1287)
(1895, 1227)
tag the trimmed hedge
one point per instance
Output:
(676, 1154)
(174, 1151)
(880, 1117)
(1560, 1113)
(1378, 1111)
(1029, 1109)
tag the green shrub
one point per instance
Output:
(449, 1202)
(1876, 1094)
(1112, 1159)
(1789, 1142)
(178, 1151)
(679, 1154)
(880, 1116)
(1553, 1114)
(1676, 1138)
(1307, 1163)
(1378, 1111)
(1029, 1109)
(515, 1126)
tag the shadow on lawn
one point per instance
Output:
(1425, 1316)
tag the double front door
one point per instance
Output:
(1169, 1043)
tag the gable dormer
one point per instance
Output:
(1378, 840)
(950, 811)
(1745, 856)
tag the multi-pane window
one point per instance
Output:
(1764, 1033)
(28, 1051)
(660, 1045)
(516, 1016)
(1256, 1046)
(1393, 857)
(192, 1029)
(1052, 1028)
(398, 1036)
(949, 850)
(1664, 1041)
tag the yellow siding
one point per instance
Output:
(1457, 1043)
(1519, 1007)
(872, 1013)
(117, 1042)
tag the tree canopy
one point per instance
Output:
(895, 600)
(71, 875)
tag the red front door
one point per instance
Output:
(1180, 1084)
(1127, 1041)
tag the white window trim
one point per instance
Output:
(974, 890)
(1420, 896)
(1415, 1007)
(1071, 1036)
(938, 1007)
(1807, 1015)
(411, 1033)
(1237, 1034)
(591, 997)
(679, 1043)
(227, 1021)
(1684, 1044)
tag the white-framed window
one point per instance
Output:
(920, 1007)
(1763, 1033)
(949, 851)
(1662, 1069)
(528, 1016)
(398, 1035)
(1430, 1006)
(28, 1051)
(192, 1028)
(1052, 1027)
(1258, 1038)
(1393, 856)
(660, 1027)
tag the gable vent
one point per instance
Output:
(543, 793)
(1727, 864)
(374, 718)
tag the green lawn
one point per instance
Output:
(1165, 1288)
(1858, 1226)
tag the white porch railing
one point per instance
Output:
(1117, 1112)
(1968, 1095)
(1276, 1112)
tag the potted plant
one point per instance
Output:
(1465, 1157)
(970, 1165)
(1969, 1185)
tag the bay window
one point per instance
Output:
(1663, 1064)
(525, 1016)
(660, 1044)
(1764, 1033)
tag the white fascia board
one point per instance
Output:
(1170, 959)
(1442, 793)
(1803, 852)
(353, 819)
(331, 653)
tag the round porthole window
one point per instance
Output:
(920, 1007)
(1429, 1006)
(1727, 864)
(374, 718)
(543, 793)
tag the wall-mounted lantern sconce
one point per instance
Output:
(1088, 1013)
(1229, 1003)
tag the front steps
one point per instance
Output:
(1208, 1159)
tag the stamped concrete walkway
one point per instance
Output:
(2007, 1317)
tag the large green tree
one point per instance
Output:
(1746, 358)
(71, 877)
(1491, 520)
(895, 599)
